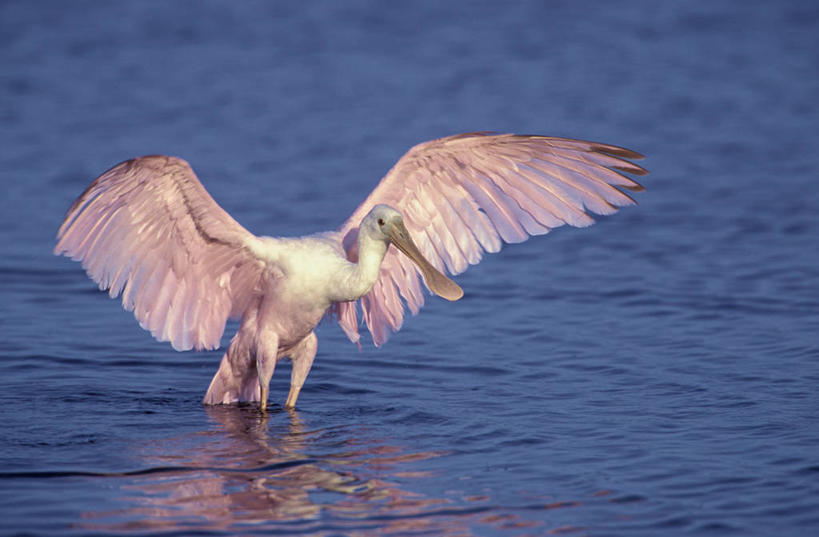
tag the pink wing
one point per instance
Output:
(148, 228)
(465, 194)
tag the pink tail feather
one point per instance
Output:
(229, 386)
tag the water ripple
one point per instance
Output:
(175, 470)
(653, 374)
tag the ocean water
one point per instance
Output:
(654, 374)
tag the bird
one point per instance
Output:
(147, 230)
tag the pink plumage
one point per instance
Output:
(148, 230)
(466, 194)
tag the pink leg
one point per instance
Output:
(267, 349)
(302, 358)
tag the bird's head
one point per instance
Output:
(386, 223)
(381, 221)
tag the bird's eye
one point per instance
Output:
(381, 222)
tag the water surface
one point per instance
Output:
(654, 374)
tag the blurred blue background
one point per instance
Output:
(654, 374)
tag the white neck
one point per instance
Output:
(364, 274)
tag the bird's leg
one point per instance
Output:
(302, 358)
(267, 349)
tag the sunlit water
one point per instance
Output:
(654, 374)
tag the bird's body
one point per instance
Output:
(308, 275)
(148, 229)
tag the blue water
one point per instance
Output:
(655, 374)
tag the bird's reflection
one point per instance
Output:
(253, 471)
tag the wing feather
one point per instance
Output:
(465, 194)
(147, 229)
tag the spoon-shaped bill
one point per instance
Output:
(435, 280)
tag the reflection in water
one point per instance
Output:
(248, 476)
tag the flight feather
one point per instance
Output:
(148, 229)
(468, 194)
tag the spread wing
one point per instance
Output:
(467, 194)
(148, 229)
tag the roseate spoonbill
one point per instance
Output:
(148, 229)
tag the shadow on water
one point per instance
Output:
(251, 474)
